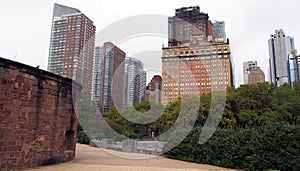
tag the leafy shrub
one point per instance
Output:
(83, 138)
(267, 147)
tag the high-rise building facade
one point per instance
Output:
(154, 89)
(218, 31)
(256, 75)
(196, 65)
(292, 68)
(195, 70)
(134, 82)
(98, 75)
(298, 66)
(280, 47)
(72, 45)
(187, 22)
(247, 67)
(108, 79)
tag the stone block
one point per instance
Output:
(107, 143)
(128, 145)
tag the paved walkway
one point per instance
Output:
(91, 158)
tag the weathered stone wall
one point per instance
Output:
(38, 119)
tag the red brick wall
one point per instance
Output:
(38, 120)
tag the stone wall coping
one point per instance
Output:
(6, 63)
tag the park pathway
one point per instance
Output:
(96, 159)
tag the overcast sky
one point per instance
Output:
(26, 25)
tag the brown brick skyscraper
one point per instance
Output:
(194, 62)
(154, 89)
(72, 45)
(255, 76)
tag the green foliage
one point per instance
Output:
(256, 105)
(128, 121)
(266, 147)
(169, 116)
(248, 106)
(245, 139)
(82, 137)
(90, 119)
(142, 106)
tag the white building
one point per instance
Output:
(280, 47)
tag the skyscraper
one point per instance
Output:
(134, 81)
(195, 69)
(193, 64)
(256, 75)
(188, 22)
(247, 67)
(98, 75)
(280, 47)
(218, 31)
(72, 45)
(298, 66)
(292, 68)
(154, 89)
(108, 80)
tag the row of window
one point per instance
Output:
(197, 58)
(200, 51)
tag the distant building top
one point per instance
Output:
(186, 9)
(60, 10)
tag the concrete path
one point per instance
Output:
(91, 158)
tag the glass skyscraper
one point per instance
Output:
(280, 47)
(108, 79)
(134, 81)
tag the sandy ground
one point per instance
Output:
(91, 158)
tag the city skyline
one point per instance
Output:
(252, 28)
(80, 74)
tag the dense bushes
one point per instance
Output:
(266, 147)
(81, 136)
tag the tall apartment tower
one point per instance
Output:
(298, 66)
(280, 49)
(247, 67)
(72, 45)
(154, 89)
(108, 77)
(134, 82)
(256, 75)
(218, 31)
(98, 75)
(292, 67)
(196, 65)
(188, 22)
